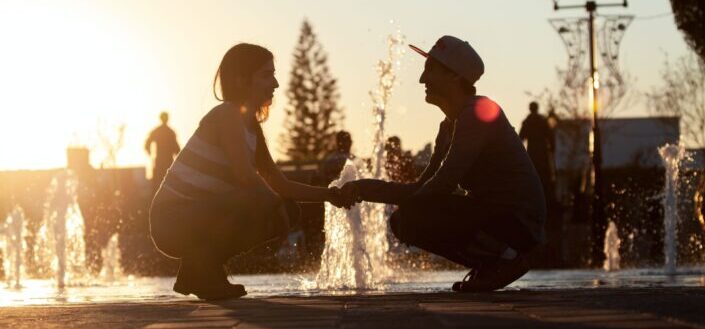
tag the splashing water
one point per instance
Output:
(345, 262)
(386, 70)
(59, 248)
(612, 243)
(671, 156)
(111, 260)
(355, 255)
(13, 245)
(61, 245)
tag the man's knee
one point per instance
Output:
(395, 224)
(401, 224)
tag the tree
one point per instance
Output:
(690, 19)
(682, 94)
(112, 142)
(312, 114)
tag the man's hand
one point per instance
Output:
(352, 191)
(342, 198)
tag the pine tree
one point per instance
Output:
(312, 115)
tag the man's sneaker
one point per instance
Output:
(457, 286)
(497, 276)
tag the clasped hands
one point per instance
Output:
(346, 196)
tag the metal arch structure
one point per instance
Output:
(610, 37)
(574, 34)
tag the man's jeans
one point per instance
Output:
(463, 230)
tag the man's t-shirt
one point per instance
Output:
(484, 155)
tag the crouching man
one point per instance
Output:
(479, 202)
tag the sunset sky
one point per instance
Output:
(69, 69)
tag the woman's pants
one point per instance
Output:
(217, 228)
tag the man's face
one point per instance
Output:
(438, 80)
(263, 84)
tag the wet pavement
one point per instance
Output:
(601, 307)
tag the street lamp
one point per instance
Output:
(599, 222)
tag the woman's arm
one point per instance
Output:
(231, 137)
(286, 188)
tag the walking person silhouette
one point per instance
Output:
(540, 145)
(166, 148)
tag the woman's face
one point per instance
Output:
(263, 85)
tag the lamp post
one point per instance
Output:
(599, 222)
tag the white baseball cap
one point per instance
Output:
(457, 55)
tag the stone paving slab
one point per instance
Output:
(577, 308)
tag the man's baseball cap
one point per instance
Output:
(457, 55)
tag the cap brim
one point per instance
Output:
(418, 50)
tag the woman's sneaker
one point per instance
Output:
(211, 291)
(214, 292)
(206, 282)
(497, 276)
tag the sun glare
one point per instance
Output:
(65, 70)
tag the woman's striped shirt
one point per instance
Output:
(201, 169)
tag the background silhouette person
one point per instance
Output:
(399, 164)
(167, 147)
(334, 162)
(540, 144)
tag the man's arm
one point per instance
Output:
(375, 190)
(470, 136)
(522, 131)
(550, 135)
(148, 143)
(440, 149)
(177, 147)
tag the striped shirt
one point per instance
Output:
(202, 170)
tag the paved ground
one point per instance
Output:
(580, 308)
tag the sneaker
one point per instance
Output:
(497, 276)
(206, 282)
(211, 291)
(214, 292)
(457, 286)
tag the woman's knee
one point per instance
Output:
(164, 233)
(163, 243)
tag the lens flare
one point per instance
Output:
(486, 110)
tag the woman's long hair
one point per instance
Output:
(241, 62)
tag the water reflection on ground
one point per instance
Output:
(130, 289)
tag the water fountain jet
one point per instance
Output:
(14, 246)
(671, 156)
(612, 243)
(357, 246)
